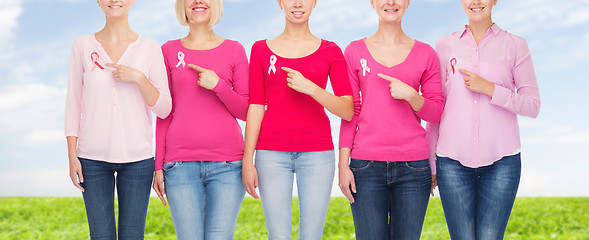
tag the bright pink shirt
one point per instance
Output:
(111, 119)
(295, 122)
(475, 129)
(384, 128)
(203, 125)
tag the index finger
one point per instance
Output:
(347, 193)
(290, 70)
(159, 193)
(197, 68)
(252, 191)
(113, 65)
(386, 77)
(465, 72)
(76, 182)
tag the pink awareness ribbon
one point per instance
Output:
(94, 56)
(453, 64)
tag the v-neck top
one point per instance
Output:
(111, 119)
(293, 121)
(384, 128)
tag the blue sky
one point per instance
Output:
(36, 38)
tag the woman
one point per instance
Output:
(199, 147)
(288, 75)
(116, 79)
(477, 140)
(388, 179)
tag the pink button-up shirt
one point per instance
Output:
(111, 119)
(475, 129)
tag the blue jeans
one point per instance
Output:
(314, 171)
(391, 198)
(133, 184)
(204, 197)
(477, 202)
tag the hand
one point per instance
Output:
(158, 185)
(477, 84)
(434, 183)
(249, 177)
(76, 172)
(298, 82)
(126, 74)
(207, 79)
(399, 89)
(347, 184)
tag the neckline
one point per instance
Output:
(310, 54)
(201, 50)
(99, 44)
(382, 65)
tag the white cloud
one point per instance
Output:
(552, 134)
(554, 31)
(29, 181)
(9, 13)
(332, 16)
(38, 137)
(34, 112)
(526, 17)
(560, 136)
(154, 19)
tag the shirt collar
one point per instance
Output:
(494, 29)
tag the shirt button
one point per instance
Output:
(475, 101)
(475, 138)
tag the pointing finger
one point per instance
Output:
(112, 65)
(465, 72)
(386, 77)
(197, 68)
(289, 70)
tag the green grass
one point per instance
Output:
(64, 218)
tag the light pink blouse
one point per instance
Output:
(111, 119)
(475, 129)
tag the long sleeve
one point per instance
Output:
(162, 125)
(433, 129)
(348, 128)
(159, 79)
(74, 98)
(338, 73)
(526, 101)
(236, 97)
(431, 90)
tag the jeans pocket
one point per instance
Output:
(421, 165)
(235, 164)
(169, 166)
(359, 165)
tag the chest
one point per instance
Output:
(314, 68)
(115, 50)
(293, 49)
(493, 61)
(183, 78)
(389, 56)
